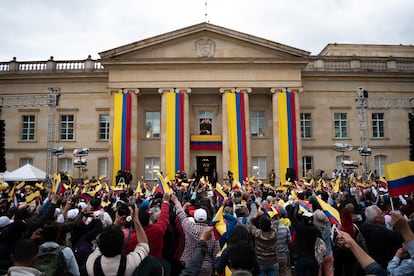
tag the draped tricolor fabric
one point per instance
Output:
(121, 141)
(236, 118)
(287, 133)
(206, 142)
(174, 154)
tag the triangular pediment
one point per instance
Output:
(205, 42)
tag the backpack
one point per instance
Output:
(52, 262)
(152, 266)
(320, 250)
(82, 249)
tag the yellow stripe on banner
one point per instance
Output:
(283, 135)
(170, 135)
(205, 138)
(232, 128)
(117, 134)
(399, 170)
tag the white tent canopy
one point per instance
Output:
(26, 173)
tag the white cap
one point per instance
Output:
(82, 205)
(200, 215)
(4, 221)
(72, 213)
(60, 219)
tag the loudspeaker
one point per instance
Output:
(290, 174)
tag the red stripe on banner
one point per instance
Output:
(294, 134)
(128, 134)
(181, 131)
(207, 146)
(243, 138)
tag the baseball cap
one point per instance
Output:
(200, 215)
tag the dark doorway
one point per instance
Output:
(206, 166)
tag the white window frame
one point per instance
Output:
(380, 161)
(152, 124)
(104, 127)
(259, 167)
(340, 125)
(66, 127)
(151, 167)
(102, 166)
(205, 122)
(28, 127)
(307, 164)
(258, 123)
(378, 125)
(306, 125)
(65, 165)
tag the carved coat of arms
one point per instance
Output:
(205, 47)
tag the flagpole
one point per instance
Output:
(392, 204)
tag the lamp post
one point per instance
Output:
(81, 162)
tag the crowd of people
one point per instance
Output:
(200, 228)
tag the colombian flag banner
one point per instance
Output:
(400, 177)
(288, 152)
(237, 135)
(174, 153)
(121, 141)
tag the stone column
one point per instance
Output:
(275, 124)
(225, 134)
(276, 146)
(247, 91)
(163, 129)
(187, 161)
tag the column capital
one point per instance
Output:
(186, 90)
(124, 90)
(243, 89)
(286, 89)
(227, 89)
(165, 90)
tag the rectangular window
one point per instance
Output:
(152, 124)
(152, 167)
(340, 125)
(380, 161)
(259, 167)
(24, 161)
(378, 125)
(67, 127)
(28, 127)
(307, 164)
(104, 127)
(339, 160)
(258, 124)
(102, 167)
(205, 119)
(65, 165)
(305, 125)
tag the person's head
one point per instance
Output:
(241, 256)
(96, 202)
(307, 218)
(265, 224)
(111, 240)
(320, 219)
(50, 231)
(374, 214)
(200, 215)
(24, 253)
(239, 233)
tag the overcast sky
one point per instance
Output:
(74, 29)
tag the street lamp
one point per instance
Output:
(81, 162)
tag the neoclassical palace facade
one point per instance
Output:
(212, 100)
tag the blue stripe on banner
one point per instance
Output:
(401, 182)
(123, 136)
(239, 138)
(177, 132)
(289, 124)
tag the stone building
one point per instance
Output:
(212, 100)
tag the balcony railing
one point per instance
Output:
(51, 66)
(355, 64)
